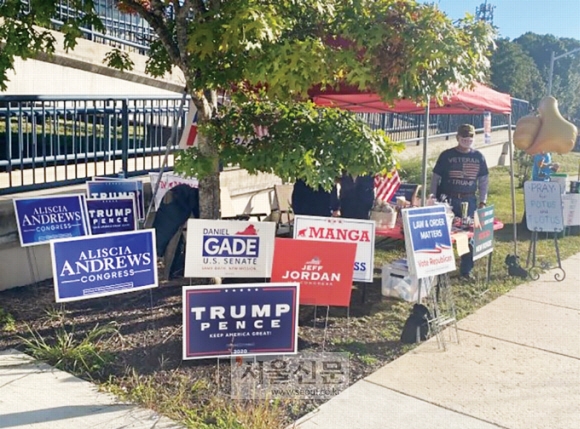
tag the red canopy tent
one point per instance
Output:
(478, 100)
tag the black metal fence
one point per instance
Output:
(55, 141)
(410, 128)
(49, 141)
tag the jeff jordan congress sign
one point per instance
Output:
(102, 265)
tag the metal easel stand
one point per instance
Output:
(535, 270)
(443, 314)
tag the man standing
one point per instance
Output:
(459, 173)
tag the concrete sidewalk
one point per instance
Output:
(34, 395)
(517, 366)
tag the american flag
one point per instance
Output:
(386, 185)
(189, 136)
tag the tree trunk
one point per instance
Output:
(209, 187)
(209, 196)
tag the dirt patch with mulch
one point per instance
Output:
(148, 345)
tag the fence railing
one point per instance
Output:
(49, 141)
(55, 141)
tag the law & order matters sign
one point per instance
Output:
(247, 319)
(109, 264)
(323, 269)
(428, 241)
(361, 232)
(41, 219)
(229, 248)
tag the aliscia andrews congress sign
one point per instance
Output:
(102, 265)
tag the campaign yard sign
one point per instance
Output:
(246, 319)
(103, 187)
(322, 268)
(41, 219)
(111, 215)
(229, 248)
(428, 241)
(361, 232)
(544, 209)
(407, 190)
(102, 265)
(483, 232)
(168, 182)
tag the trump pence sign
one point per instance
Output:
(229, 248)
(245, 319)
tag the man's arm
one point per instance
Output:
(435, 179)
(482, 186)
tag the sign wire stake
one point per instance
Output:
(325, 327)
(314, 318)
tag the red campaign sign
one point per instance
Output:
(323, 269)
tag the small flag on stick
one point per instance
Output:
(189, 135)
(386, 185)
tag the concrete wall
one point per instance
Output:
(82, 72)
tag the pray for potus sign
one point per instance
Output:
(323, 269)
(360, 232)
(102, 265)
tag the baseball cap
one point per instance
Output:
(466, 130)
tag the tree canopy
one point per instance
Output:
(280, 49)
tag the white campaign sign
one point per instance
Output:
(168, 181)
(571, 209)
(543, 201)
(229, 248)
(428, 241)
(361, 232)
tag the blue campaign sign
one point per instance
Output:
(111, 215)
(407, 190)
(103, 265)
(115, 188)
(41, 219)
(245, 319)
(428, 241)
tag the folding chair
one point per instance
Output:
(283, 204)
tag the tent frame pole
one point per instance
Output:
(513, 188)
(425, 142)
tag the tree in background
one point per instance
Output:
(566, 76)
(278, 50)
(514, 72)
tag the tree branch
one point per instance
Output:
(155, 17)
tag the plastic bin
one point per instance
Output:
(398, 283)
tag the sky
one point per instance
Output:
(513, 18)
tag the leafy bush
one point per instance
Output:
(7, 322)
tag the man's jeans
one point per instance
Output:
(466, 264)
